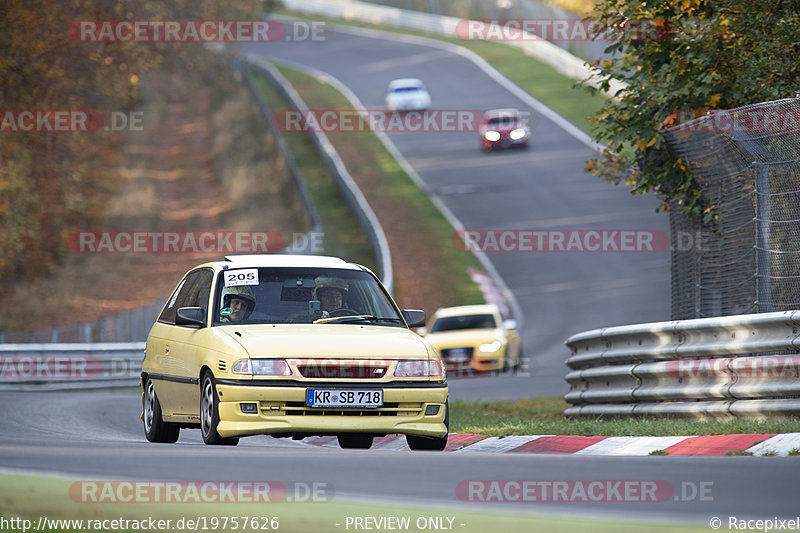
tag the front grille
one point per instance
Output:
(300, 409)
(334, 371)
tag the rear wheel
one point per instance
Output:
(355, 440)
(209, 413)
(431, 443)
(155, 429)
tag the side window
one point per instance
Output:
(188, 291)
(200, 291)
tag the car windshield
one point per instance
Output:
(451, 323)
(501, 122)
(302, 296)
(406, 89)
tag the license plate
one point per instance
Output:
(457, 355)
(354, 398)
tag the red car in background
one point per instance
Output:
(504, 128)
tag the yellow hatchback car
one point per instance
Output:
(475, 338)
(291, 346)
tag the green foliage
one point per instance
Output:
(700, 55)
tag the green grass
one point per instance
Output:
(539, 79)
(30, 497)
(343, 234)
(382, 179)
(542, 416)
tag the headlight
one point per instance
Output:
(262, 367)
(418, 369)
(490, 347)
(492, 136)
(517, 134)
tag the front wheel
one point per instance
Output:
(155, 429)
(209, 413)
(431, 443)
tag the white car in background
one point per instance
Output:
(407, 94)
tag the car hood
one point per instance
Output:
(463, 337)
(349, 341)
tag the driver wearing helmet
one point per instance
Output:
(237, 303)
(331, 293)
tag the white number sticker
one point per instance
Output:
(241, 277)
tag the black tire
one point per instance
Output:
(209, 413)
(355, 440)
(518, 365)
(155, 429)
(431, 443)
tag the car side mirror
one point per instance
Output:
(191, 316)
(510, 324)
(414, 317)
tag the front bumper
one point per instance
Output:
(281, 410)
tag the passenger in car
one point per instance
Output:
(238, 303)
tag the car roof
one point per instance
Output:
(405, 82)
(285, 260)
(503, 112)
(467, 310)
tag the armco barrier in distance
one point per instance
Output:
(70, 366)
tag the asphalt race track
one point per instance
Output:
(99, 436)
(542, 188)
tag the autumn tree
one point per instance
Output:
(51, 183)
(701, 55)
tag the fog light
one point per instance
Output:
(249, 408)
(431, 410)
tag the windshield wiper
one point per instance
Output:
(347, 318)
(357, 318)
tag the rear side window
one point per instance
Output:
(193, 291)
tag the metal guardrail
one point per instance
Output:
(746, 365)
(25, 367)
(351, 193)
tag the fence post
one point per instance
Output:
(764, 301)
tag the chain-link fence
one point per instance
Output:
(746, 260)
